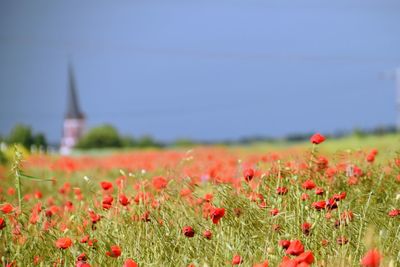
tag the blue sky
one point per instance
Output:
(207, 70)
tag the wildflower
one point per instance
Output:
(304, 196)
(2, 223)
(288, 262)
(236, 260)
(107, 202)
(64, 243)
(115, 251)
(188, 231)
(94, 217)
(263, 264)
(159, 182)
(274, 212)
(123, 200)
(331, 204)
(6, 208)
(295, 248)
(305, 257)
(306, 228)
(106, 185)
(317, 139)
(342, 240)
(308, 185)
(340, 196)
(319, 191)
(394, 213)
(216, 214)
(207, 234)
(371, 259)
(130, 263)
(284, 243)
(319, 205)
(248, 174)
(281, 190)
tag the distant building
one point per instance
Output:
(74, 121)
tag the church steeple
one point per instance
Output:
(74, 121)
(73, 110)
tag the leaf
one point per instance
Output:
(23, 175)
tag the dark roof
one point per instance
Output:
(73, 110)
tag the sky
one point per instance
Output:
(206, 70)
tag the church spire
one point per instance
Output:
(74, 121)
(73, 110)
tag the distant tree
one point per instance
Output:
(128, 141)
(357, 132)
(39, 140)
(184, 142)
(21, 134)
(104, 136)
(147, 141)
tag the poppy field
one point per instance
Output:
(207, 206)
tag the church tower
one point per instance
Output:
(74, 121)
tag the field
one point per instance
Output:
(320, 203)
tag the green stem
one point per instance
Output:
(18, 186)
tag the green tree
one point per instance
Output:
(104, 136)
(39, 140)
(128, 141)
(147, 141)
(21, 134)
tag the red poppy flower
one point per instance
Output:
(317, 139)
(263, 264)
(306, 257)
(123, 200)
(371, 259)
(331, 204)
(342, 240)
(108, 199)
(295, 248)
(82, 264)
(340, 196)
(304, 196)
(284, 243)
(106, 185)
(248, 174)
(82, 257)
(281, 190)
(145, 217)
(6, 208)
(236, 260)
(94, 217)
(159, 182)
(130, 263)
(188, 231)
(274, 212)
(2, 223)
(306, 228)
(64, 243)
(319, 191)
(319, 205)
(288, 262)
(216, 214)
(394, 213)
(208, 197)
(115, 251)
(308, 185)
(207, 234)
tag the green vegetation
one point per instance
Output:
(23, 135)
(107, 136)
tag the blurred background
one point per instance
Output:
(197, 71)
